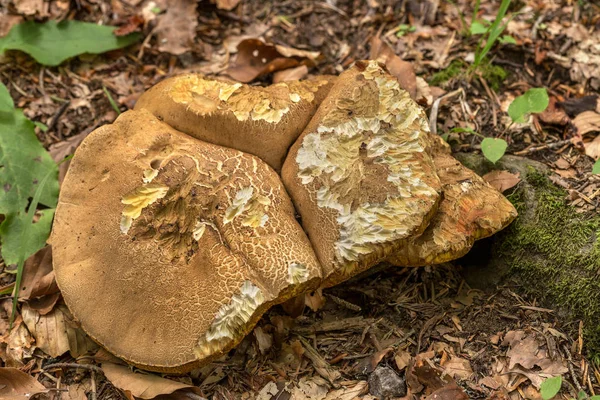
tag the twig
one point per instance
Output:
(344, 303)
(436, 105)
(74, 365)
(571, 370)
(57, 115)
(550, 146)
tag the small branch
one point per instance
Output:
(74, 365)
(435, 108)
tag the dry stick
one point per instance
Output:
(436, 105)
(571, 370)
(74, 365)
(344, 303)
(493, 100)
(550, 146)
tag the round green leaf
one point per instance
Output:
(532, 101)
(493, 149)
(550, 387)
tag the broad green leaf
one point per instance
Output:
(478, 28)
(532, 101)
(11, 231)
(6, 102)
(595, 398)
(550, 387)
(596, 167)
(493, 149)
(582, 395)
(23, 166)
(53, 42)
(507, 39)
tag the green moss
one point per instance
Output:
(456, 68)
(555, 253)
(494, 75)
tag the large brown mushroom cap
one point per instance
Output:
(470, 210)
(263, 121)
(168, 249)
(361, 175)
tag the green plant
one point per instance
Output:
(26, 172)
(53, 42)
(24, 164)
(596, 167)
(403, 29)
(491, 35)
(534, 100)
(550, 387)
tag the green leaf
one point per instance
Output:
(53, 42)
(24, 165)
(507, 39)
(550, 387)
(595, 398)
(596, 167)
(532, 101)
(493, 149)
(582, 395)
(12, 229)
(6, 102)
(478, 28)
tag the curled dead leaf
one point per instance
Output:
(402, 70)
(256, 58)
(38, 276)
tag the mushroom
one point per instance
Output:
(470, 210)
(361, 174)
(263, 121)
(168, 249)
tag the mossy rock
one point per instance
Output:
(550, 252)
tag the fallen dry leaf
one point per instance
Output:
(17, 385)
(502, 180)
(402, 358)
(458, 368)
(348, 393)
(450, 391)
(134, 23)
(176, 29)
(554, 114)
(38, 276)
(55, 333)
(77, 391)
(313, 388)
(490, 382)
(38, 8)
(402, 70)
(315, 300)
(227, 4)
(61, 150)
(587, 121)
(142, 385)
(19, 344)
(291, 74)
(256, 58)
(7, 21)
(592, 148)
(294, 307)
(264, 340)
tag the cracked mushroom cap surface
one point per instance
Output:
(168, 249)
(470, 210)
(361, 174)
(263, 121)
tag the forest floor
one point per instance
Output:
(425, 327)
